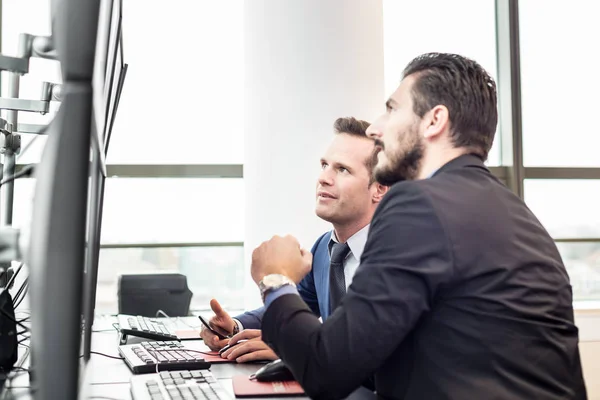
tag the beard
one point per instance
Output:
(403, 165)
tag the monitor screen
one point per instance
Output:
(65, 230)
(107, 87)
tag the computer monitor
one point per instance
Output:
(107, 88)
(57, 243)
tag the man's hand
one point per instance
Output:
(220, 322)
(281, 255)
(252, 349)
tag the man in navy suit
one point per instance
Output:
(346, 196)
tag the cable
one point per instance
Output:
(26, 171)
(26, 338)
(115, 326)
(12, 278)
(105, 355)
(103, 397)
(7, 315)
(21, 289)
(161, 312)
(184, 349)
(26, 288)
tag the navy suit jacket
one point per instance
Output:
(314, 288)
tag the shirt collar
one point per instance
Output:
(356, 242)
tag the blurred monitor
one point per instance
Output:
(64, 243)
(107, 83)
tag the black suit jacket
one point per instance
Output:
(461, 294)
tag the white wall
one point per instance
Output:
(307, 63)
(588, 322)
(590, 359)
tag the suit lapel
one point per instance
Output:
(321, 275)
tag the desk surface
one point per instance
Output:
(109, 378)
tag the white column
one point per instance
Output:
(307, 63)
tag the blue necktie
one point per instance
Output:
(337, 282)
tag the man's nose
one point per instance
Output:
(325, 178)
(375, 131)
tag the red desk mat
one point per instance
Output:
(244, 387)
(214, 358)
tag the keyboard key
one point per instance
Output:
(165, 375)
(168, 381)
(153, 389)
(186, 374)
(196, 374)
(179, 381)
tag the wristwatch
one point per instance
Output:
(272, 282)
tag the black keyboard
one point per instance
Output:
(144, 327)
(144, 357)
(180, 385)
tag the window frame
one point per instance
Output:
(513, 171)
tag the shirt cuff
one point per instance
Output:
(277, 293)
(239, 324)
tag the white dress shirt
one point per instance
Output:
(356, 243)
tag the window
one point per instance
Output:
(583, 265)
(559, 85)
(567, 208)
(157, 210)
(183, 98)
(212, 272)
(182, 103)
(411, 29)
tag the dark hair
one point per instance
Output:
(357, 127)
(465, 88)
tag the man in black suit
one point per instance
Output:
(461, 293)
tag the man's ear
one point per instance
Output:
(436, 121)
(379, 192)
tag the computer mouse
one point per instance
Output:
(227, 347)
(275, 371)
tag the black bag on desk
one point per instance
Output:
(146, 294)
(8, 333)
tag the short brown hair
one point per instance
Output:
(356, 127)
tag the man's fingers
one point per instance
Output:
(247, 347)
(246, 334)
(219, 343)
(217, 309)
(213, 342)
(306, 256)
(258, 355)
(292, 239)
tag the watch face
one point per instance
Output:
(272, 280)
